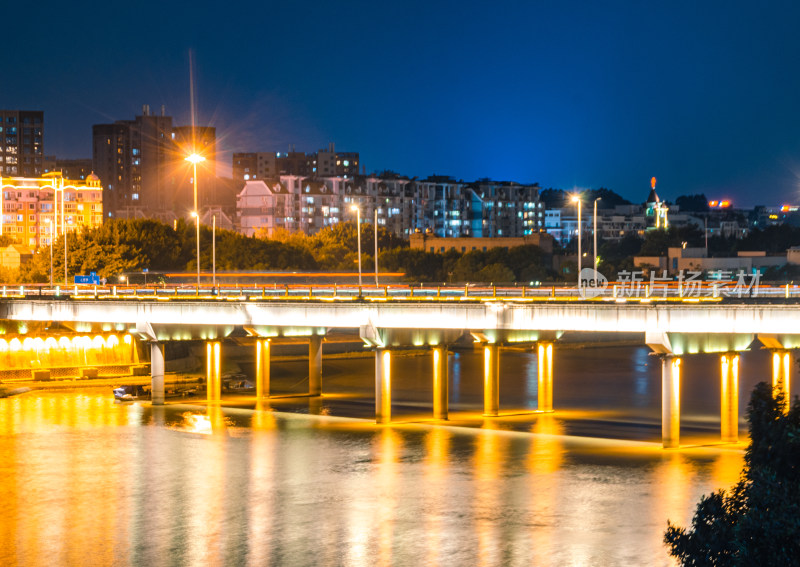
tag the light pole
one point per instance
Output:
(194, 159)
(63, 227)
(50, 234)
(577, 200)
(214, 251)
(375, 227)
(594, 233)
(358, 233)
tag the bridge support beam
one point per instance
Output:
(383, 386)
(782, 372)
(491, 380)
(315, 365)
(670, 401)
(157, 373)
(262, 368)
(440, 383)
(213, 371)
(545, 360)
(729, 398)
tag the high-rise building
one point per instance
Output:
(21, 142)
(295, 163)
(255, 165)
(324, 163)
(69, 168)
(142, 166)
(329, 163)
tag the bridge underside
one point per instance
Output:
(671, 331)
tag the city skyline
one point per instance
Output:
(574, 95)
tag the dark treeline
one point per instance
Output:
(124, 246)
(121, 246)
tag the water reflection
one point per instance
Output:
(437, 450)
(137, 485)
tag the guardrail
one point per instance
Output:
(707, 291)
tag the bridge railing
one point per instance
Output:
(615, 291)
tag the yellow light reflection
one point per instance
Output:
(390, 444)
(490, 453)
(437, 448)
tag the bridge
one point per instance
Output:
(394, 318)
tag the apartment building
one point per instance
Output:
(141, 164)
(436, 205)
(21, 143)
(35, 210)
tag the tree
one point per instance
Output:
(758, 521)
(692, 203)
(418, 265)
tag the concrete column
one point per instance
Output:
(213, 371)
(729, 397)
(545, 360)
(782, 372)
(157, 373)
(383, 386)
(670, 401)
(262, 368)
(315, 365)
(440, 383)
(491, 380)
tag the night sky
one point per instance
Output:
(702, 95)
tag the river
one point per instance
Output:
(87, 481)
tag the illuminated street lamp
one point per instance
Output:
(577, 200)
(194, 159)
(50, 234)
(375, 226)
(594, 234)
(358, 232)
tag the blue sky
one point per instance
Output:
(702, 95)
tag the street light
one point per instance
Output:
(194, 159)
(214, 251)
(375, 226)
(50, 234)
(358, 232)
(594, 233)
(577, 200)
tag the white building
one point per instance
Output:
(255, 208)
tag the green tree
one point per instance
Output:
(494, 273)
(418, 265)
(758, 521)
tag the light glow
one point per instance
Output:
(195, 158)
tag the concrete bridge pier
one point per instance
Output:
(491, 380)
(670, 401)
(782, 371)
(440, 383)
(545, 360)
(383, 385)
(262, 368)
(157, 373)
(729, 397)
(315, 365)
(213, 371)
